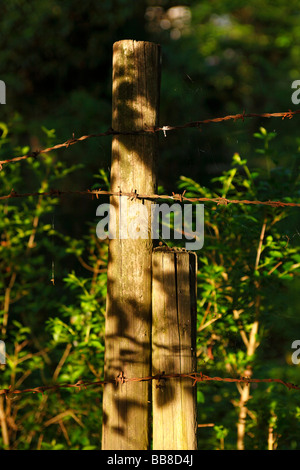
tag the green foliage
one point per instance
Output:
(53, 314)
(241, 283)
(52, 324)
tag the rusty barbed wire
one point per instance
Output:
(121, 379)
(133, 195)
(150, 130)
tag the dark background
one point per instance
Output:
(219, 57)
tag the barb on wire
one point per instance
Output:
(121, 379)
(133, 195)
(150, 130)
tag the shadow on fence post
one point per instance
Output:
(174, 349)
(136, 86)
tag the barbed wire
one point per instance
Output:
(121, 379)
(133, 195)
(150, 130)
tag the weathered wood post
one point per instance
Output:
(174, 349)
(136, 86)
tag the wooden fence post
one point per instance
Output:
(174, 349)
(136, 86)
